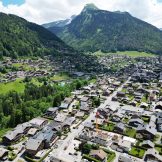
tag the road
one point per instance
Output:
(59, 153)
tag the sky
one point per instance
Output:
(44, 11)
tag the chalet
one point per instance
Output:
(159, 105)
(60, 118)
(3, 153)
(98, 154)
(120, 128)
(80, 114)
(55, 126)
(68, 122)
(146, 131)
(47, 135)
(39, 122)
(124, 145)
(153, 155)
(124, 158)
(66, 103)
(84, 107)
(147, 144)
(136, 122)
(159, 124)
(33, 146)
(52, 111)
(121, 94)
(16, 134)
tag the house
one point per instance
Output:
(66, 103)
(60, 117)
(120, 128)
(52, 111)
(99, 154)
(147, 144)
(124, 158)
(47, 135)
(55, 126)
(153, 155)
(84, 99)
(125, 145)
(79, 114)
(68, 122)
(159, 105)
(120, 94)
(84, 107)
(159, 124)
(136, 122)
(146, 131)
(3, 153)
(33, 146)
(38, 122)
(16, 134)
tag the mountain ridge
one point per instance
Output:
(95, 29)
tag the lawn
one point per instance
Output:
(60, 77)
(26, 67)
(16, 85)
(137, 152)
(128, 53)
(108, 127)
(130, 132)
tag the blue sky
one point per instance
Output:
(7, 2)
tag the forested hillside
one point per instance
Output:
(19, 37)
(96, 29)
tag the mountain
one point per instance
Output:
(94, 29)
(19, 37)
(60, 23)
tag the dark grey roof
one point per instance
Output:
(33, 144)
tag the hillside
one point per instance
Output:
(94, 29)
(19, 37)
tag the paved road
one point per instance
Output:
(59, 153)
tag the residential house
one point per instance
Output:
(3, 154)
(16, 134)
(120, 128)
(60, 118)
(124, 158)
(99, 154)
(38, 122)
(52, 112)
(147, 144)
(146, 132)
(68, 122)
(33, 146)
(135, 122)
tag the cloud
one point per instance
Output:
(42, 11)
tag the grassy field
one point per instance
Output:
(130, 132)
(60, 77)
(18, 85)
(26, 67)
(127, 53)
(137, 152)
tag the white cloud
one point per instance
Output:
(42, 11)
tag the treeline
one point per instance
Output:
(18, 108)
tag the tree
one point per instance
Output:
(57, 100)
